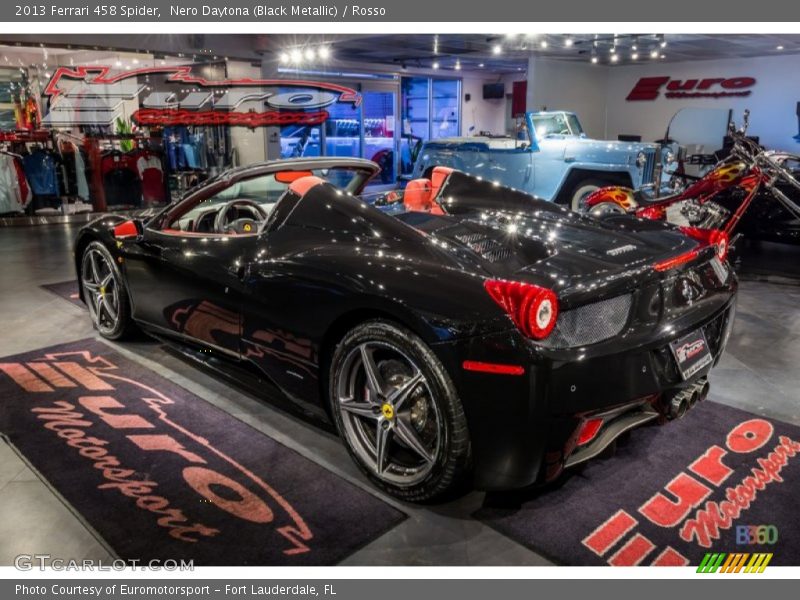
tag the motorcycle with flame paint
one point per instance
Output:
(710, 207)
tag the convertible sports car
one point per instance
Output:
(480, 337)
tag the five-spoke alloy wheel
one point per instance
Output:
(397, 411)
(104, 292)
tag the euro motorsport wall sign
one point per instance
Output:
(176, 95)
(650, 88)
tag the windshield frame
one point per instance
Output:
(365, 171)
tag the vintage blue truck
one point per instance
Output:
(551, 158)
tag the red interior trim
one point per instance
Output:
(494, 368)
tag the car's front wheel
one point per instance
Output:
(398, 412)
(104, 292)
(582, 190)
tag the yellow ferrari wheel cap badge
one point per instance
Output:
(388, 411)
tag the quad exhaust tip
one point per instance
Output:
(685, 399)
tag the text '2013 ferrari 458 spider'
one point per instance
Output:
(480, 337)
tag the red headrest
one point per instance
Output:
(438, 177)
(302, 185)
(418, 195)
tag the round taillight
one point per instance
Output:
(533, 309)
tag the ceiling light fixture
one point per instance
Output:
(543, 43)
(654, 54)
(324, 52)
(568, 42)
(458, 65)
(497, 49)
(614, 58)
(635, 56)
(481, 65)
(284, 57)
(779, 48)
(310, 54)
(296, 56)
(435, 64)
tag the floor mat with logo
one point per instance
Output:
(668, 496)
(160, 473)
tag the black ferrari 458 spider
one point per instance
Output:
(479, 337)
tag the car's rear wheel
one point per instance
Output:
(398, 412)
(104, 292)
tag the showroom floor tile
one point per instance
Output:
(758, 374)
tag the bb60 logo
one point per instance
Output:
(756, 534)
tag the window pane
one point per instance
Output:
(445, 108)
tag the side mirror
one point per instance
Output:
(132, 230)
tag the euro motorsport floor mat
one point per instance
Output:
(160, 473)
(668, 496)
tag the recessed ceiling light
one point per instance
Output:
(663, 56)
(481, 65)
(284, 57)
(435, 65)
(310, 54)
(497, 49)
(779, 48)
(296, 56)
(543, 43)
(568, 42)
(458, 65)
(324, 52)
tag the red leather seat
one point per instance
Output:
(420, 194)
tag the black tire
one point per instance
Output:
(577, 194)
(445, 472)
(122, 325)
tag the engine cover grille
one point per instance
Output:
(486, 247)
(591, 323)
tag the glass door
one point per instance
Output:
(445, 105)
(380, 131)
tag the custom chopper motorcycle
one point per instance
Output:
(748, 177)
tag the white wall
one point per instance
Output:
(486, 115)
(573, 86)
(773, 101)
(479, 114)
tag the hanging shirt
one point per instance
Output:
(152, 176)
(121, 183)
(40, 169)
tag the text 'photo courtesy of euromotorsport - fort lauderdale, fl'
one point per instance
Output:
(324, 285)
